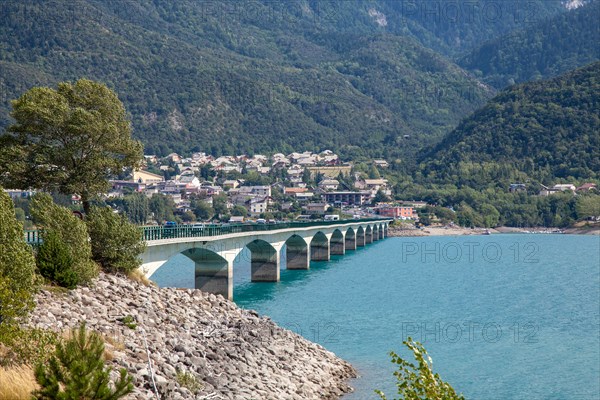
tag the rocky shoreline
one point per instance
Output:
(200, 346)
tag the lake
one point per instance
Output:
(502, 316)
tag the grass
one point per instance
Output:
(138, 276)
(129, 322)
(111, 344)
(17, 382)
(189, 381)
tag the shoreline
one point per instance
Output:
(460, 231)
(232, 353)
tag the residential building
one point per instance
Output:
(231, 184)
(381, 163)
(329, 184)
(348, 197)
(397, 212)
(146, 177)
(316, 208)
(586, 187)
(517, 187)
(258, 205)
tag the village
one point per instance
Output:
(237, 189)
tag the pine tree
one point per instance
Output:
(55, 263)
(71, 231)
(76, 371)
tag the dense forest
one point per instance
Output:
(546, 49)
(540, 130)
(232, 77)
(535, 134)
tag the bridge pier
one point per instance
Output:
(319, 248)
(350, 240)
(264, 262)
(376, 234)
(360, 238)
(213, 252)
(337, 244)
(212, 273)
(297, 253)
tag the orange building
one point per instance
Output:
(397, 212)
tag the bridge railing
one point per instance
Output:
(190, 231)
(33, 237)
(149, 233)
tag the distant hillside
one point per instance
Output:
(542, 130)
(544, 50)
(263, 75)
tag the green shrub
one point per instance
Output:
(129, 322)
(116, 242)
(189, 381)
(28, 346)
(17, 272)
(15, 305)
(55, 263)
(76, 371)
(72, 231)
(418, 382)
(16, 258)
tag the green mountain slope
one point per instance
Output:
(258, 76)
(546, 49)
(542, 130)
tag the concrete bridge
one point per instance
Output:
(214, 248)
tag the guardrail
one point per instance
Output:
(150, 233)
(191, 231)
(33, 237)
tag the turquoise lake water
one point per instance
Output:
(502, 316)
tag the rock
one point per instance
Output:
(230, 353)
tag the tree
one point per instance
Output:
(17, 271)
(137, 208)
(162, 207)
(380, 197)
(588, 206)
(16, 258)
(116, 242)
(55, 263)
(54, 219)
(76, 371)
(417, 382)
(220, 204)
(239, 211)
(69, 140)
(202, 209)
(188, 216)
(374, 172)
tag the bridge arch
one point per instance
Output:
(319, 247)
(350, 239)
(212, 273)
(360, 237)
(337, 245)
(297, 253)
(264, 261)
(368, 234)
(375, 232)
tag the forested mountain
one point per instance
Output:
(546, 49)
(249, 76)
(546, 130)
